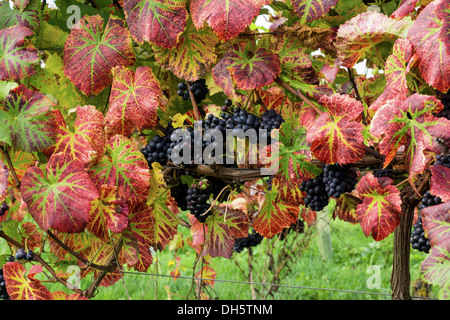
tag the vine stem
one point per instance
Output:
(11, 166)
(194, 106)
(358, 97)
(298, 94)
(37, 258)
(260, 101)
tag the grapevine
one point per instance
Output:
(119, 128)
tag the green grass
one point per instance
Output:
(343, 277)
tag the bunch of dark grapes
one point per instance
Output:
(271, 120)
(252, 240)
(338, 179)
(178, 192)
(3, 293)
(445, 112)
(418, 239)
(22, 254)
(198, 88)
(3, 208)
(157, 150)
(442, 160)
(316, 196)
(197, 201)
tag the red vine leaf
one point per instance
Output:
(222, 77)
(223, 227)
(124, 166)
(336, 136)
(228, 18)
(309, 10)
(19, 59)
(134, 101)
(21, 285)
(410, 123)
(363, 32)
(84, 143)
(440, 182)
(443, 14)
(4, 174)
(253, 70)
(108, 213)
(425, 35)
(61, 295)
(91, 51)
(59, 196)
(436, 223)
(380, 210)
(27, 120)
(193, 56)
(396, 69)
(158, 21)
(406, 8)
(346, 208)
(435, 269)
(31, 235)
(274, 215)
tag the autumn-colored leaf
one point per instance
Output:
(21, 161)
(253, 70)
(61, 295)
(443, 14)
(425, 36)
(134, 101)
(27, 119)
(21, 285)
(18, 59)
(436, 222)
(396, 68)
(435, 269)
(158, 21)
(274, 215)
(309, 10)
(410, 123)
(363, 32)
(440, 182)
(223, 227)
(405, 9)
(193, 56)
(124, 166)
(346, 208)
(91, 51)
(380, 210)
(228, 18)
(86, 142)
(59, 196)
(4, 174)
(207, 275)
(222, 77)
(31, 235)
(336, 135)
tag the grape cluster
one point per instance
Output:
(338, 179)
(316, 195)
(271, 120)
(445, 112)
(3, 293)
(198, 88)
(22, 254)
(252, 240)
(442, 160)
(418, 239)
(158, 148)
(3, 208)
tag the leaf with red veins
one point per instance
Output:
(364, 32)
(436, 223)
(336, 136)
(158, 21)
(30, 122)
(86, 142)
(410, 123)
(253, 70)
(141, 231)
(194, 55)
(228, 18)
(396, 68)
(346, 208)
(309, 10)
(18, 59)
(222, 77)
(405, 9)
(166, 222)
(380, 211)
(60, 196)
(224, 226)
(435, 269)
(134, 101)
(32, 237)
(91, 52)
(124, 166)
(23, 286)
(108, 213)
(440, 182)
(430, 47)
(274, 215)
(443, 14)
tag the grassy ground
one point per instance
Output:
(351, 273)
